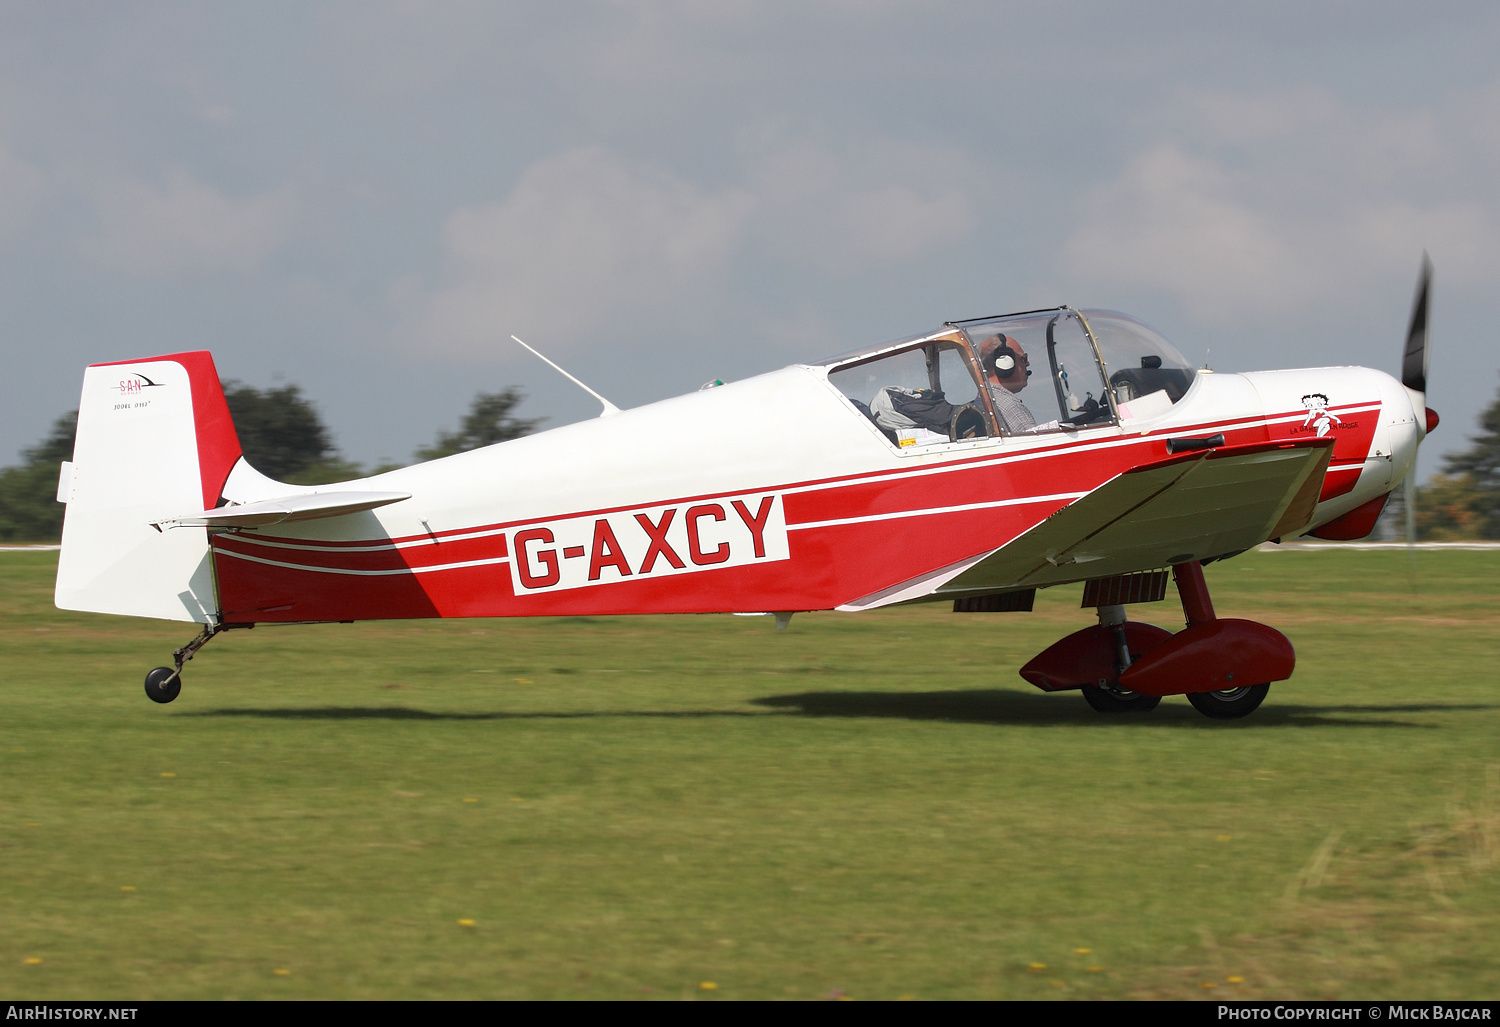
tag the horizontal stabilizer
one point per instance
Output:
(288, 508)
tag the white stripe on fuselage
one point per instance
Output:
(362, 573)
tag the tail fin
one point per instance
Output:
(155, 439)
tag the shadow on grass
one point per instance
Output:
(999, 706)
(973, 706)
(408, 713)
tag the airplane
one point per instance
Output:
(972, 464)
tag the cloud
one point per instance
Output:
(22, 187)
(585, 243)
(405, 48)
(1246, 119)
(589, 243)
(880, 203)
(185, 227)
(393, 48)
(1278, 201)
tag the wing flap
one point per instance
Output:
(307, 507)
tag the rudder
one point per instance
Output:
(155, 442)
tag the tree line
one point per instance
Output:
(281, 435)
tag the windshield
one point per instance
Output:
(1041, 371)
(1146, 372)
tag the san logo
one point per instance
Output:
(136, 383)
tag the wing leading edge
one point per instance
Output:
(1188, 507)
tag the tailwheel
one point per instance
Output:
(163, 684)
(1114, 699)
(1229, 703)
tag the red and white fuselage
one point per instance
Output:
(775, 493)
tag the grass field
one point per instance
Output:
(873, 806)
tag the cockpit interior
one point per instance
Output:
(1030, 373)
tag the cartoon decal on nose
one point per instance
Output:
(600, 549)
(1319, 417)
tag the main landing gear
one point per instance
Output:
(1229, 703)
(163, 684)
(1223, 665)
(1106, 695)
(1108, 698)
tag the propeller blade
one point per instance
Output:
(1409, 495)
(1414, 356)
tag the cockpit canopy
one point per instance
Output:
(1138, 360)
(1019, 374)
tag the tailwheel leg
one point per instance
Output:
(1107, 696)
(163, 684)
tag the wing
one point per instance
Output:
(1188, 507)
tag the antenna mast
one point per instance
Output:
(609, 408)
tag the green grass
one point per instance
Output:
(875, 805)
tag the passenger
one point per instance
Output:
(1006, 368)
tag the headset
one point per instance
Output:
(1003, 361)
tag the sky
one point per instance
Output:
(369, 198)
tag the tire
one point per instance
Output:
(1231, 703)
(159, 688)
(1119, 700)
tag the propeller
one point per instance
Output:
(1414, 356)
(1414, 377)
(1409, 497)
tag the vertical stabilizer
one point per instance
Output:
(155, 441)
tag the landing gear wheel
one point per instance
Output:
(1114, 699)
(1231, 703)
(163, 684)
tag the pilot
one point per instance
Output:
(1006, 368)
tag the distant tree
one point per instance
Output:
(488, 421)
(1450, 509)
(29, 511)
(58, 445)
(280, 432)
(283, 437)
(1471, 479)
